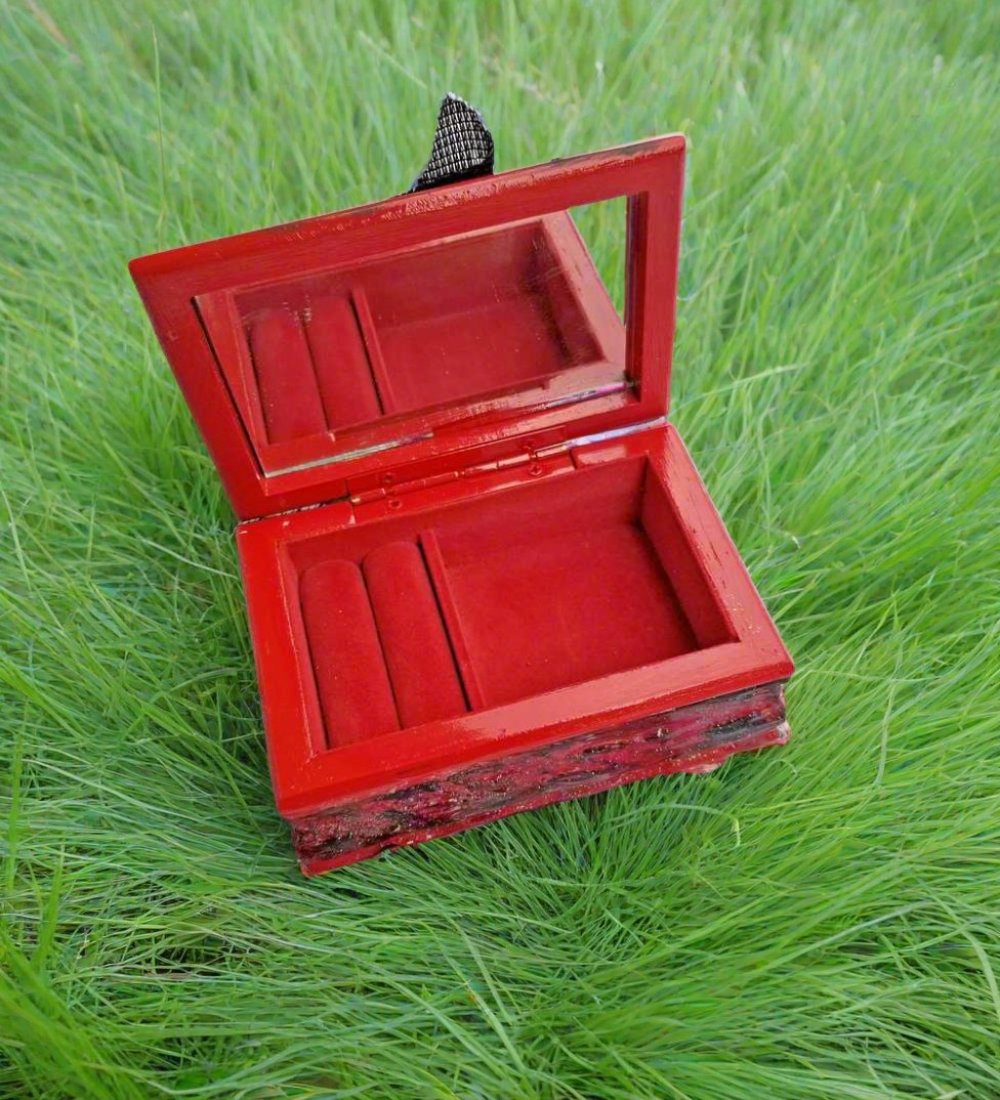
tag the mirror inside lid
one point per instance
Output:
(393, 347)
(358, 341)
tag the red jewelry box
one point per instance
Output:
(482, 572)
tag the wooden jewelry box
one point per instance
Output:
(482, 572)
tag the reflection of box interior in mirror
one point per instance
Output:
(514, 308)
(482, 572)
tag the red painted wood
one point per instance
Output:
(482, 610)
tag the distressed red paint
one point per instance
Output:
(697, 738)
(482, 573)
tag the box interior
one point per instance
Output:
(507, 595)
(464, 318)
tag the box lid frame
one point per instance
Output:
(648, 173)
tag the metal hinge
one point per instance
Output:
(529, 456)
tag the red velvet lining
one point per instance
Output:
(495, 599)
(421, 667)
(659, 520)
(339, 358)
(344, 642)
(564, 608)
(446, 358)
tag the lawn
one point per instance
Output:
(821, 921)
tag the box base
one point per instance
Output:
(596, 621)
(695, 738)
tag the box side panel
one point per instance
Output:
(696, 738)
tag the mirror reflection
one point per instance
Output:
(522, 314)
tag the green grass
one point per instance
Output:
(821, 921)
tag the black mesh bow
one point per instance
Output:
(463, 147)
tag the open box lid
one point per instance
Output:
(442, 327)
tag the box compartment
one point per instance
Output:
(499, 598)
